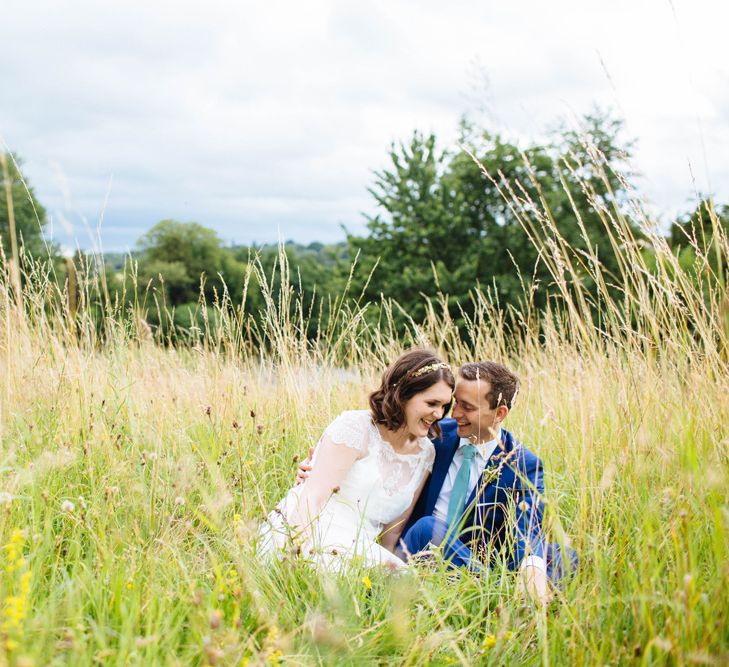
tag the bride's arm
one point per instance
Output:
(333, 462)
(391, 533)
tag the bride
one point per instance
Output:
(368, 470)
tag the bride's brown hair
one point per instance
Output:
(408, 375)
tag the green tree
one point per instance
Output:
(702, 231)
(183, 253)
(314, 273)
(594, 164)
(699, 226)
(439, 211)
(414, 229)
(29, 214)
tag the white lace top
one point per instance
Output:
(377, 489)
(382, 478)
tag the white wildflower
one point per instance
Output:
(68, 506)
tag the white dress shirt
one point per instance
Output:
(478, 464)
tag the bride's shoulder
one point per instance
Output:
(350, 427)
(359, 418)
(427, 445)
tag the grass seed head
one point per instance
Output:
(67, 506)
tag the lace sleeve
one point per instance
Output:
(349, 429)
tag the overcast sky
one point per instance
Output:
(265, 119)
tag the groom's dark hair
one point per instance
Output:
(503, 384)
(408, 375)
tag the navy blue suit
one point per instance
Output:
(504, 512)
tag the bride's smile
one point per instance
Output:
(426, 408)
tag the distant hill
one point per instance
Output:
(325, 254)
(114, 261)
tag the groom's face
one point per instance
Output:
(471, 410)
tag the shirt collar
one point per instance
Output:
(484, 449)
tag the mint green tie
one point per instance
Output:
(456, 504)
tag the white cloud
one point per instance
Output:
(260, 118)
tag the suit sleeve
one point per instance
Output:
(529, 510)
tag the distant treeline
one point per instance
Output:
(489, 214)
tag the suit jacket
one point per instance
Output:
(504, 511)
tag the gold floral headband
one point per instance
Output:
(436, 365)
(429, 368)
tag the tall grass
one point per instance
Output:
(135, 469)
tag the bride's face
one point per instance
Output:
(426, 407)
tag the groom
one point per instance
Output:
(483, 498)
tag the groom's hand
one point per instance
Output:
(304, 468)
(533, 582)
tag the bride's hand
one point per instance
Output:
(304, 468)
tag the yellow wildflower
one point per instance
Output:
(368, 584)
(275, 657)
(14, 550)
(14, 607)
(25, 583)
(14, 612)
(490, 641)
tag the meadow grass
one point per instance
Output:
(134, 474)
